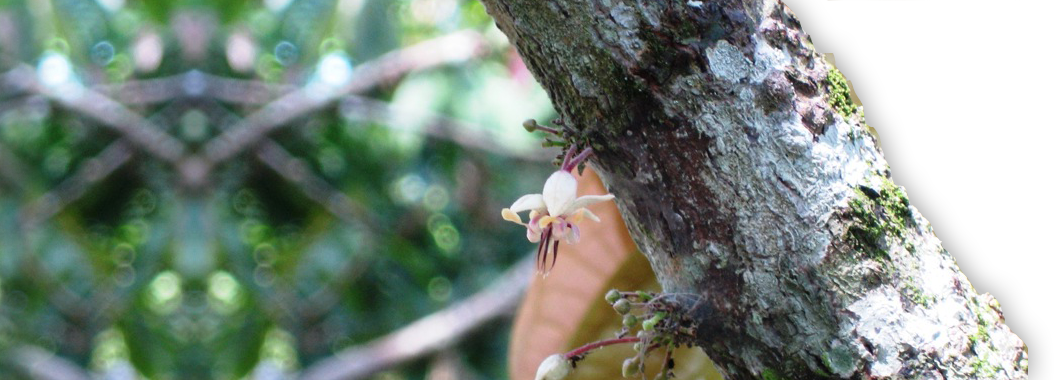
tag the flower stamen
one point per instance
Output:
(573, 162)
(556, 250)
(568, 156)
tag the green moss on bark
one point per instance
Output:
(838, 92)
(878, 214)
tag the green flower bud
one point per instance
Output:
(629, 320)
(651, 322)
(630, 367)
(612, 296)
(530, 125)
(648, 325)
(621, 306)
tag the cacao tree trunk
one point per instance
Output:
(747, 177)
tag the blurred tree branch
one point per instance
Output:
(453, 47)
(194, 84)
(39, 364)
(297, 172)
(12, 169)
(430, 333)
(450, 48)
(438, 126)
(120, 108)
(69, 190)
(144, 134)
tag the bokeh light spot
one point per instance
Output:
(439, 289)
(225, 294)
(102, 53)
(286, 53)
(436, 198)
(165, 292)
(54, 70)
(334, 69)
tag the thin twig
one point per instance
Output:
(428, 334)
(436, 125)
(141, 132)
(12, 169)
(580, 351)
(17, 80)
(193, 84)
(88, 173)
(296, 171)
(453, 47)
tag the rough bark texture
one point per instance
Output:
(746, 176)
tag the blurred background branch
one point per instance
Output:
(233, 190)
(429, 334)
(40, 364)
(450, 48)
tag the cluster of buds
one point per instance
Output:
(651, 314)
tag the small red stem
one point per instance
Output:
(595, 345)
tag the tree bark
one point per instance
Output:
(747, 177)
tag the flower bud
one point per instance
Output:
(629, 320)
(630, 367)
(649, 324)
(530, 125)
(554, 367)
(622, 306)
(612, 296)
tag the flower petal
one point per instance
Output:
(507, 214)
(559, 229)
(528, 202)
(577, 215)
(573, 235)
(590, 215)
(534, 235)
(587, 200)
(559, 192)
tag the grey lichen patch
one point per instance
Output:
(838, 92)
(883, 325)
(727, 62)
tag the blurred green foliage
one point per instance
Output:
(112, 261)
